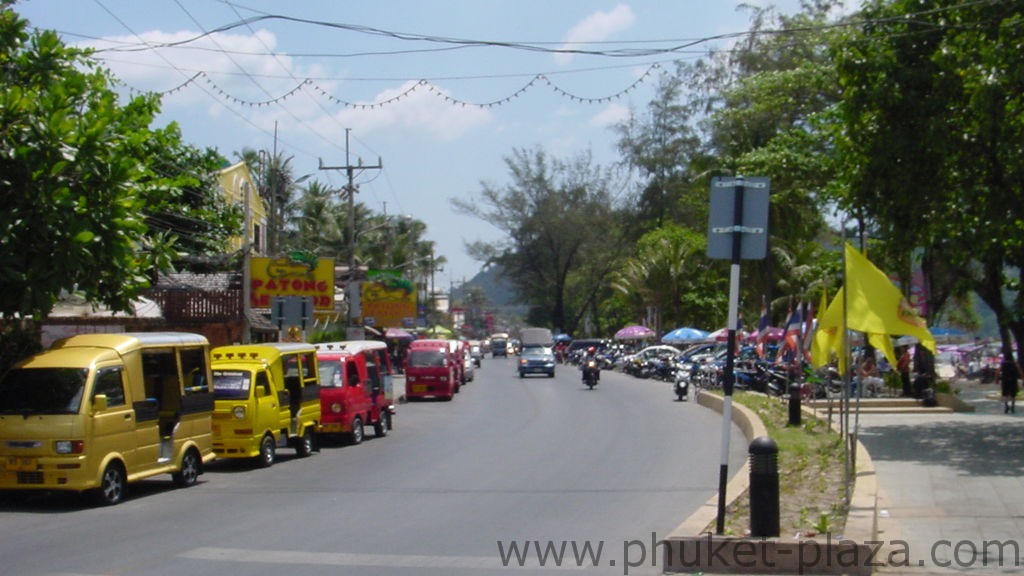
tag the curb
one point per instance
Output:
(690, 548)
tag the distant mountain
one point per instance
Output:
(498, 290)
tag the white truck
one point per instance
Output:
(536, 337)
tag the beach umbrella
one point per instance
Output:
(439, 332)
(720, 335)
(397, 334)
(634, 333)
(685, 334)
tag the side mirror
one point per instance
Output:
(99, 402)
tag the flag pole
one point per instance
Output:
(847, 472)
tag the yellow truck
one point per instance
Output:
(266, 396)
(97, 411)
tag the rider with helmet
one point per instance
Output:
(590, 366)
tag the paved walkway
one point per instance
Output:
(952, 487)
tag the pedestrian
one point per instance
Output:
(867, 375)
(1008, 377)
(903, 367)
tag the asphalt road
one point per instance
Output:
(502, 480)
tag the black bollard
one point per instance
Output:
(764, 488)
(794, 404)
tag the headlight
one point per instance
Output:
(69, 446)
(239, 412)
(336, 407)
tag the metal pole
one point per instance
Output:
(246, 264)
(730, 357)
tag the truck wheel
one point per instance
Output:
(380, 428)
(113, 485)
(268, 451)
(304, 447)
(356, 435)
(189, 472)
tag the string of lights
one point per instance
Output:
(419, 85)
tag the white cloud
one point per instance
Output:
(241, 74)
(596, 27)
(422, 109)
(612, 114)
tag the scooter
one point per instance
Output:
(682, 389)
(591, 372)
(681, 381)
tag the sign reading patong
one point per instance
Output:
(388, 300)
(297, 274)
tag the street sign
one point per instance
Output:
(753, 225)
(291, 311)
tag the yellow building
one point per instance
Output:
(239, 188)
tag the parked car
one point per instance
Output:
(476, 352)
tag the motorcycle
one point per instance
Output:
(681, 386)
(591, 372)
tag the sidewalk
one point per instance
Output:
(952, 487)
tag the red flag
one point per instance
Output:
(791, 340)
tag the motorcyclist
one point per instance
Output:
(590, 354)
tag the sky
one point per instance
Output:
(437, 92)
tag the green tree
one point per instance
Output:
(773, 112)
(671, 274)
(932, 100)
(665, 149)
(74, 185)
(562, 235)
(183, 200)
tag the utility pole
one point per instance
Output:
(351, 189)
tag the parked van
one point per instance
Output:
(356, 388)
(267, 396)
(430, 370)
(97, 411)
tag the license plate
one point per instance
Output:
(21, 464)
(419, 388)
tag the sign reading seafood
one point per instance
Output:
(389, 301)
(297, 274)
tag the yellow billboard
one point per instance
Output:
(388, 300)
(292, 275)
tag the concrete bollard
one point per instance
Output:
(794, 404)
(764, 488)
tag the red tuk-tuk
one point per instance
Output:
(356, 388)
(431, 370)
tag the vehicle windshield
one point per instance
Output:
(231, 384)
(426, 358)
(42, 390)
(330, 372)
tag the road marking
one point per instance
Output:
(261, 556)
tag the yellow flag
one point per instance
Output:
(875, 306)
(884, 343)
(828, 338)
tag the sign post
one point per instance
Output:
(737, 230)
